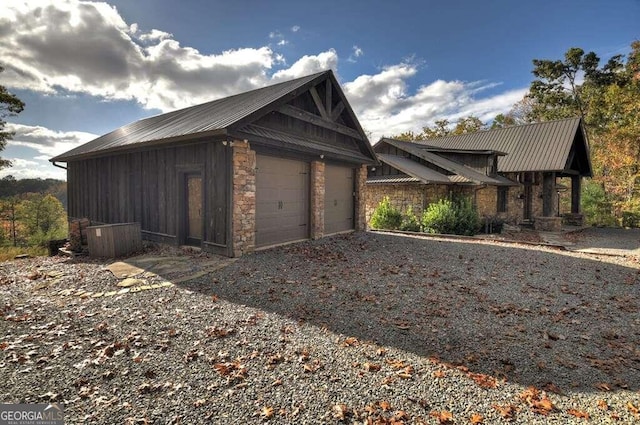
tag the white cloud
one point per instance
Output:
(308, 64)
(283, 42)
(46, 143)
(155, 35)
(87, 47)
(385, 106)
(357, 52)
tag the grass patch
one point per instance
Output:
(9, 252)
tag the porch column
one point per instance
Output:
(317, 199)
(576, 182)
(549, 202)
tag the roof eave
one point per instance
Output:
(194, 137)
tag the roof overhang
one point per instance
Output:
(218, 134)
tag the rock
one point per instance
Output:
(130, 282)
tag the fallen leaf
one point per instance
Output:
(439, 374)
(578, 413)
(340, 411)
(603, 405)
(476, 418)
(484, 381)
(603, 386)
(371, 367)
(444, 417)
(266, 412)
(633, 409)
(507, 411)
(384, 405)
(350, 342)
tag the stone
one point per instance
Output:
(130, 282)
(121, 269)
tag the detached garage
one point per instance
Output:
(279, 164)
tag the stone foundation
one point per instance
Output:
(360, 199)
(573, 219)
(548, 224)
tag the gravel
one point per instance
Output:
(352, 328)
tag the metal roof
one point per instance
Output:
(393, 179)
(414, 169)
(541, 146)
(467, 173)
(206, 119)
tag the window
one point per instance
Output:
(503, 192)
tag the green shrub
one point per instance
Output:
(440, 217)
(467, 219)
(410, 222)
(386, 216)
(596, 206)
(457, 217)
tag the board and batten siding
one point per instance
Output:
(144, 187)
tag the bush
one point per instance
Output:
(410, 222)
(440, 217)
(386, 216)
(467, 219)
(451, 217)
(596, 206)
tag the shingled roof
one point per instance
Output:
(211, 119)
(546, 146)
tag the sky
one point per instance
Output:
(84, 68)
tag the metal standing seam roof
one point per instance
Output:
(215, 115)
(541, 146)
(414, 169)
(467, 173)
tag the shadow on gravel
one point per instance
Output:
(534, 317)
(609, 238)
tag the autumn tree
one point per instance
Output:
(443, 128)
(9, 105)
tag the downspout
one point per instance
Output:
(58, 165)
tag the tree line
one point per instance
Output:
(607, 97)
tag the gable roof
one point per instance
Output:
(544, 146)
(209, 119)
(460, 172)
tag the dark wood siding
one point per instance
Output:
(143, 187)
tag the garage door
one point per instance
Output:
(338, 199)
(282, 200)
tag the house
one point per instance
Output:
(512, 173)
(282, 163)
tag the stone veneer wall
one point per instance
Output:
(317, 199)
(244, 198)
(362, 191)
(403, 195)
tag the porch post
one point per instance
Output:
(576, 182)
(549, 206)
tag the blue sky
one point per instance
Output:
(85, 68)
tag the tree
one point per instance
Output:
(42, 217)
(441, 128)
(10, 105)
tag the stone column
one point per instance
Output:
(360, 199)
(243, 231)
(549, 201)
(575, 194)
(317, 199)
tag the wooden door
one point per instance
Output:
(194, 209)
(338, 199)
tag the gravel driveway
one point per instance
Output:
(353, 328)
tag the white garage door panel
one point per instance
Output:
(282, 200)
(338, 200)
